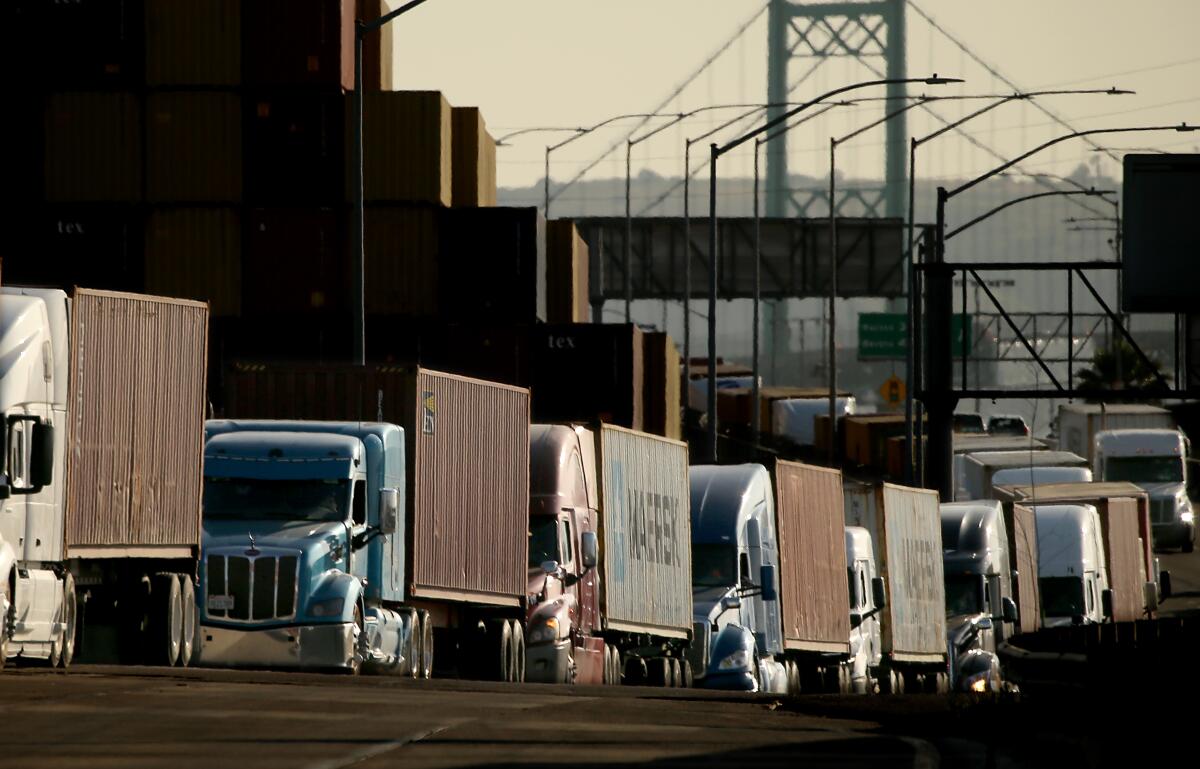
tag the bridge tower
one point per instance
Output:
(814, 32)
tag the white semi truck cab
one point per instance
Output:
(1072, 569)
(1156, 460)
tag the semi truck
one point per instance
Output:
(905, 526)
(103, 397)
(391, 538)
(866, 602)
(979, 468)
(610, 559)
(771, 607)
(1155, 460)
(1077, 424)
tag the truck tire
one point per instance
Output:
(614, 665)
(412, 652)
(688, 676)
(660, 671)
(502, 670)
(187, 602)
(166, 621)
(356, 659)
(845, 680)
(70, 622)
(676, 674)
(518, 653)
(425, 655)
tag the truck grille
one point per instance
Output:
(1162, 510)
(698, 651)
(262, 587)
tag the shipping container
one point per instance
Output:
(93, 148)
(866, 438)
(193, 147)
(1078, 423)
(196, 253)
(646, 533)
(496, 353)
(294, 147)
(1126, 569)
(407, 148)
(194, 42)
(810, 510)
(474, 159)
(492, 265)
(736, 405)
(1021, 528)
(22, 163)
(587, 372)
(298, 43)
(978, 468)
(661, 410)
(137, 388)
(401, 245)
(63, 246)
(295, 263)
(84, 44)
(467, 455)
(566, 274)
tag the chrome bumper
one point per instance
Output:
(306, 646)
(547, 663)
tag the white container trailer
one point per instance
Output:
(1078, 423)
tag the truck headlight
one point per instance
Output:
(977, 683)
(331, 607)
(739, 660)
(544, 632)
(1187, 516)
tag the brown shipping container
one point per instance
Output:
(401, 244)
(661, 413)
(193, 147)
(298, 42)
(474, 159)
(810, 510)
(407, 152)
(194, 42)
(492, 265)
(1119, 525)
(81, 44)
(294, 147)
(22, 165)
(566, 273)
(736, 404)
(908, 542)
(64, 246)
(467, 454)
(1021, 524)
(196, 253)
(495, 353)
(866, 438)
(295, 262)
(587, 372)
(137, 383)
(93, 147)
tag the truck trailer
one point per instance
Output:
(396, 543)
(103, 398)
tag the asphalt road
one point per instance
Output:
(99, 717)
(1185, 583)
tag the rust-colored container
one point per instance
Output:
(93, 147)
(1022, 545)
(492, 266)
(566, 273)
(866, 438)
(810, 511)
(735, 405)
(63, 246)
(298, 42)
(474, 159)
(136, 432)
(1126, 574)
(193, 147)
(467, 482)
(294, 147)
(908, 541)
(196, 253)
(401, 244)
(407, 152)
(661, 413)
(586, 372)
(22, 165)
(295, 262)
(84, 44)
(194, 42)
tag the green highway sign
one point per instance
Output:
(884, 335)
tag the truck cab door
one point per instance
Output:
(358, 558)
(589, 582)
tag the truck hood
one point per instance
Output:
(706, 602)
(295, 535)
(1162, 490)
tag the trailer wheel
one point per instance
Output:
(166, 621)
(425, 655)
(502, 664)
(613, 655)
(187, 639)
(676, 674)
(845, 680)
(412, 651)
(688, 676)
(518, 653)
(659, 671)
(70, 622)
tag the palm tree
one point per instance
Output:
(1119, 367)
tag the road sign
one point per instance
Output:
(884, 335)
(893, 391)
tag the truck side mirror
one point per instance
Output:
(731, 602)
(389, 510)
(766, 576)
(550, 568)
(1008, 609)
(1150, 596)
(590, 549)
(1106, 602)
(41, 466)
(1164, 583)
(878, 592)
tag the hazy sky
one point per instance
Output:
(576, 62)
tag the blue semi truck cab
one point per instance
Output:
(303, 548)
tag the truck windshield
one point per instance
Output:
(1144, 469)
(962, 595)
(543, 540)
(1061, 596)
(285, 500)
(714, 565)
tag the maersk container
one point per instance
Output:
(646, 533)
(812, 557)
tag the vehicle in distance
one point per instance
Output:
(969, 423)
(1007, 424)
(1155, 460)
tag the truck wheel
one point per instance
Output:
(659, 672)
(425, 656)
(614, 665)
(676, 674)
(503, 658)
(187, 602)
(688, 677)
(412, 652)
(845, 680)
(166, 620)
(356, 660)
(70, 612)
(518, 653)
